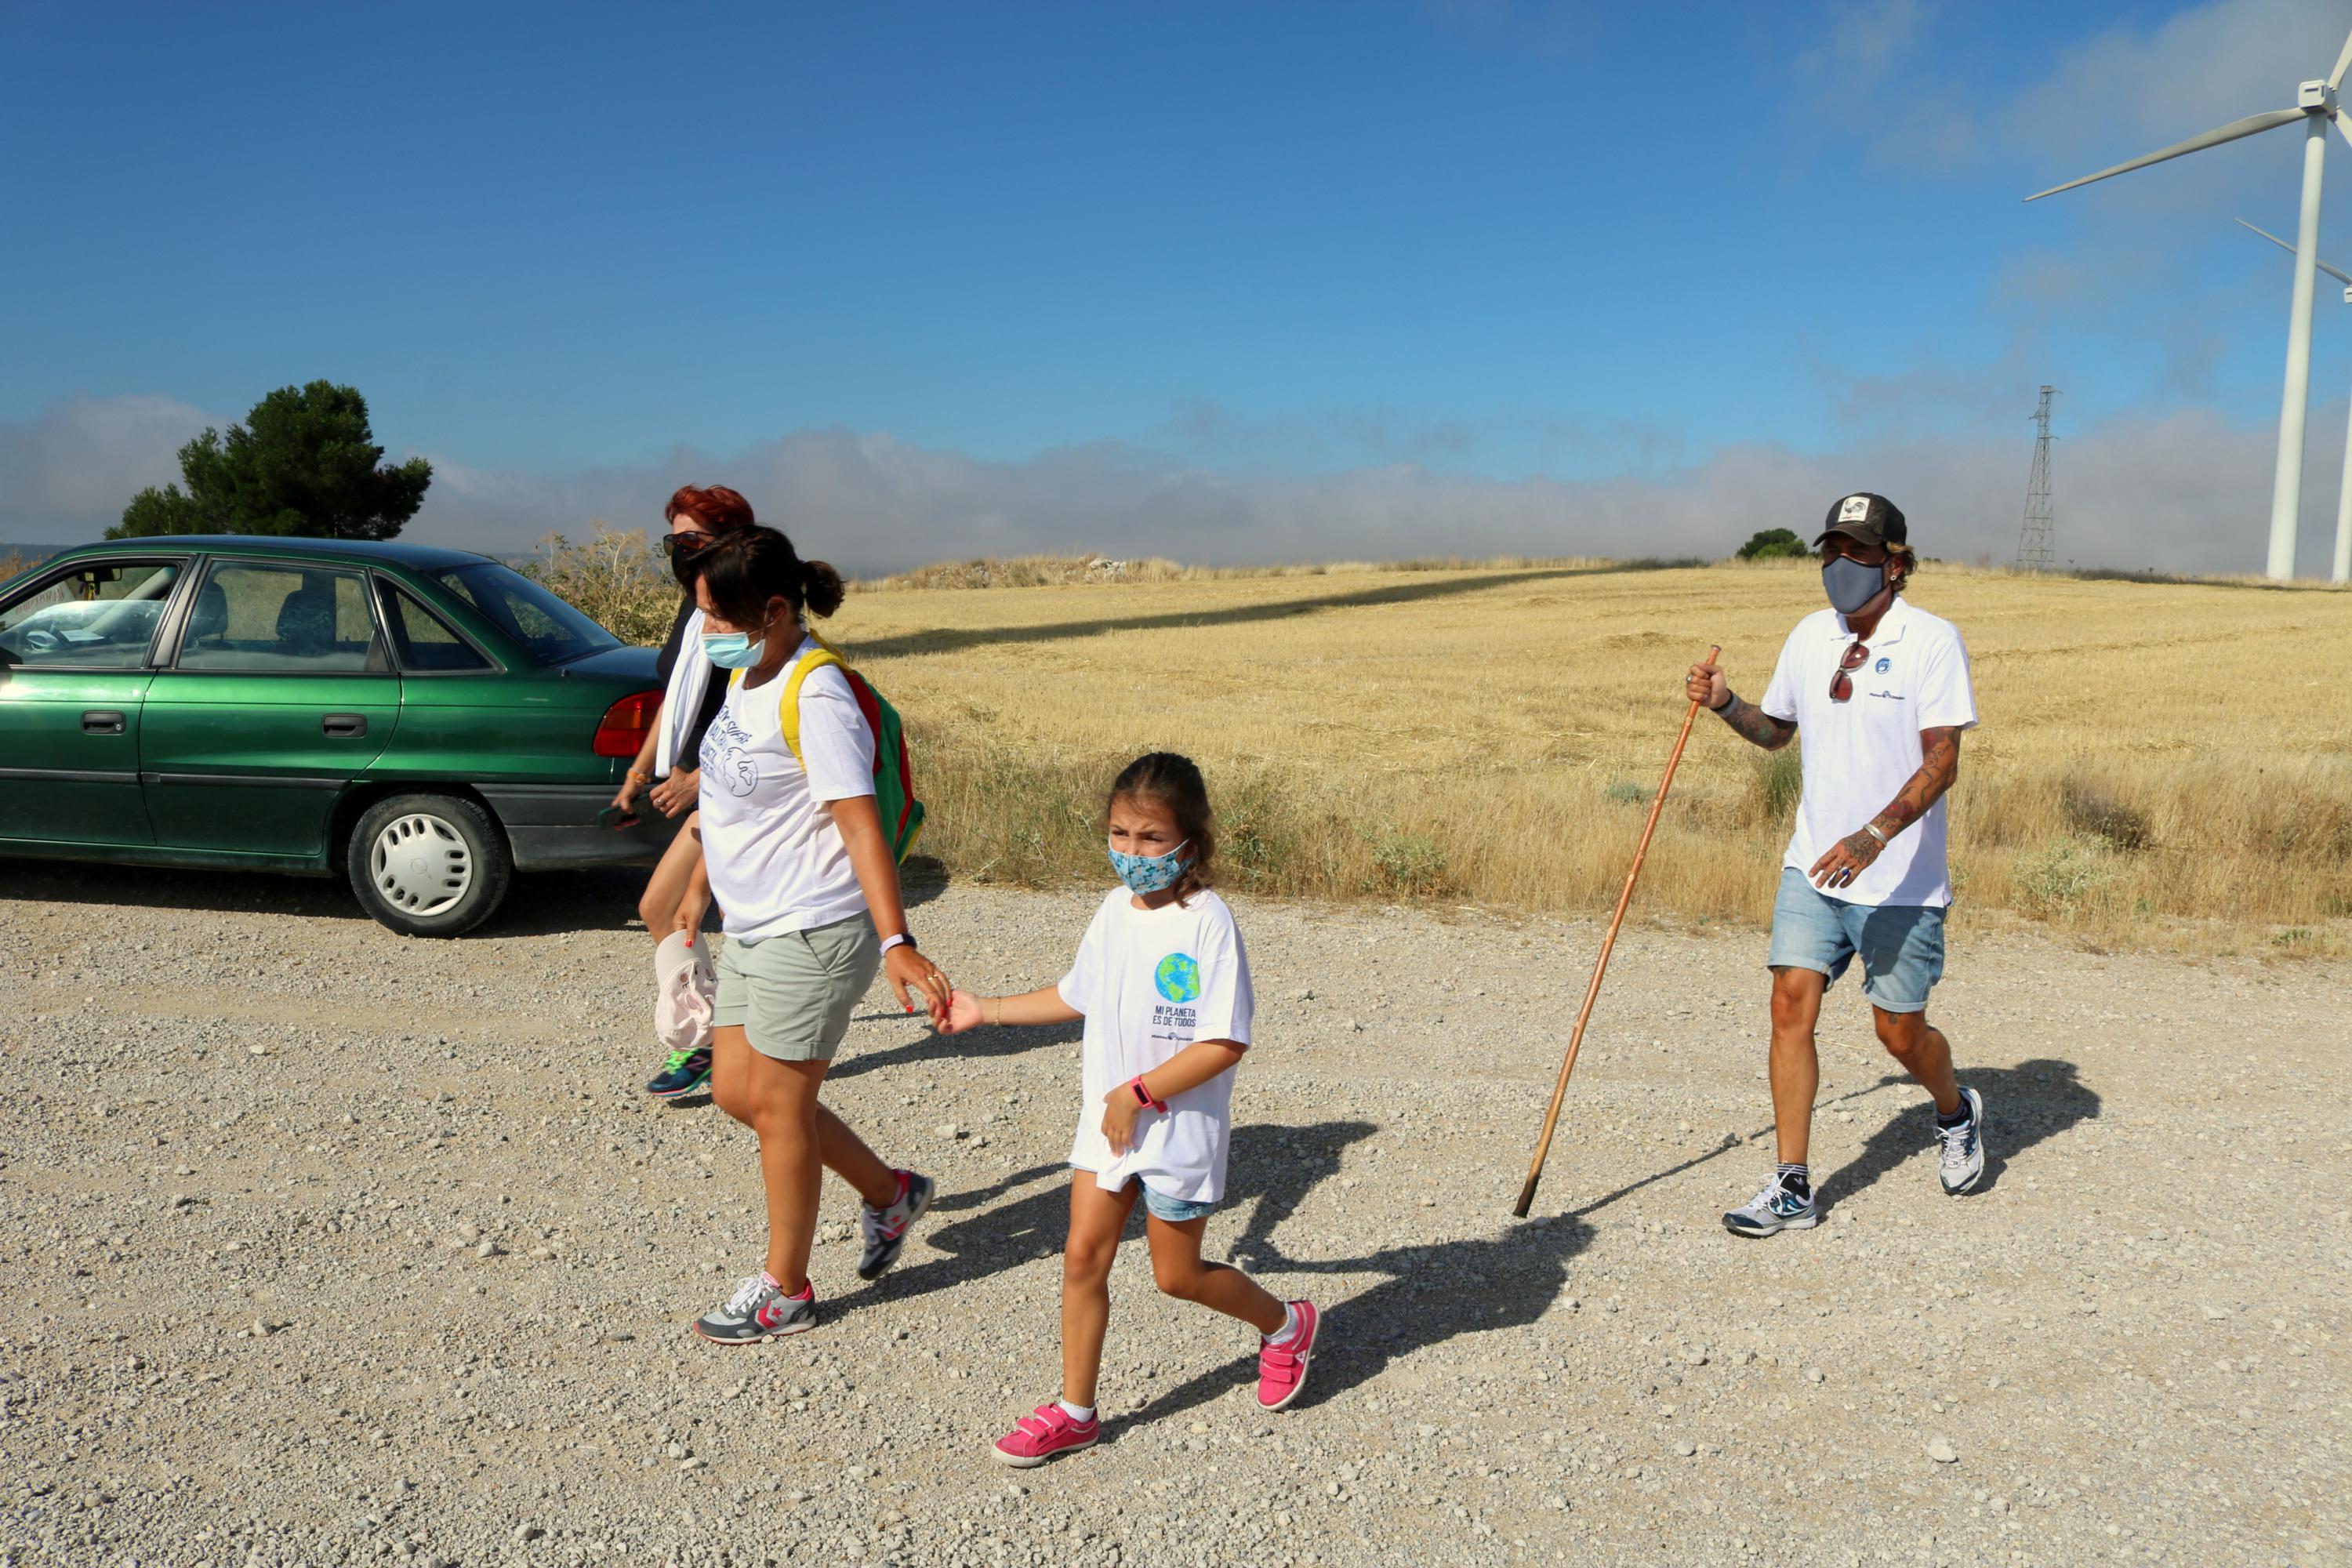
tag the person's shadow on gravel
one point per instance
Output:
(1274, 1166)
(2024, 1105)
(981, 1044)
(1434, 1290)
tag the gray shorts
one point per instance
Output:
(792, 995)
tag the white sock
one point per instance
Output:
(1081, 1413)
(1289, 1329)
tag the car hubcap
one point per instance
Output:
(420, 864)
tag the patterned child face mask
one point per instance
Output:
(1149, 873)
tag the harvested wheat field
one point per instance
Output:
(2160, 763)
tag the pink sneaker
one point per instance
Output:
(1037, 1437)
(1282, 1367)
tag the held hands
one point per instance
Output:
(964, 1013)
(913, 974)
(677, 792)
(1706, 687)
(1119, 1111)
(1849, 858)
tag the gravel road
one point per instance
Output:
(322, 1246)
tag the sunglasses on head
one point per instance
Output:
(1842, 683)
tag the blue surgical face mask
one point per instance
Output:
(1149, 873)
(732, 650)
(1851, 584)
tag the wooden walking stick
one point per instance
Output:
(1600, 964)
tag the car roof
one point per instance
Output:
(423, 557)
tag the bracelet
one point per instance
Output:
(638, 776)
(999, 1019)
(1872, 828)
(900, 939)
(1143, 1096)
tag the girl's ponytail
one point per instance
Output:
(820, 589)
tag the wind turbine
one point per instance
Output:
(2343, 564)
(2315, 108)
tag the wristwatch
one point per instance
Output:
(896, 938)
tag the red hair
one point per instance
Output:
(718, 509)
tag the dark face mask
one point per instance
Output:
(1851, 584)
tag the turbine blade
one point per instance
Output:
(2344, 61)
(2344, 277)
(2252, 126)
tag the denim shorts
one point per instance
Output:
(1901, 945)
(1175, 1211)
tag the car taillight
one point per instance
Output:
(622, 731)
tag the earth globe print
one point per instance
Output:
(1177, 977)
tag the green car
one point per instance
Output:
(424, 721)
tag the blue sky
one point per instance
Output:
(1187, 280)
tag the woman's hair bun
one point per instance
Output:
(820, 589)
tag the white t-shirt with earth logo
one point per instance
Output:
(1151, 982)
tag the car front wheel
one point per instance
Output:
(428, 865)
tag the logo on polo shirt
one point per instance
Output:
(1883, 666)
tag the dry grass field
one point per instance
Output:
(2160, 763)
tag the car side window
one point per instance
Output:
(101, 615)
(422, 641)
(261, 618)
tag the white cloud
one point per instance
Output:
(2185, 491)
(2127, 89)
(66, 472)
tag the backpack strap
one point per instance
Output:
(789, 714)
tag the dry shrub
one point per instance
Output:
(617, 577)
(14, 566)
(2097, 811)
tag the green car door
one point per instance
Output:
(279, 694)
(73, 654)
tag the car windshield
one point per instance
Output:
(551, 629)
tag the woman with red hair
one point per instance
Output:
(678, 895)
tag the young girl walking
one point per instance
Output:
(1164, 987)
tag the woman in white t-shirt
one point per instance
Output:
(1164, 987)
(797, 859)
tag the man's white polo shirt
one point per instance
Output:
(1859, 752)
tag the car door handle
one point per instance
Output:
(344, 726)
(102, 721)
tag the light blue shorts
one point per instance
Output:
(1901, 945)
(1175, 1211)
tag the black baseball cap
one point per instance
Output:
(1871, 518)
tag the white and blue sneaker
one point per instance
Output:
(1773, 1210)
(1963, 1161)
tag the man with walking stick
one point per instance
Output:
(1880, 691)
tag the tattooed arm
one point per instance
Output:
(1706, 687)
(1939, 764)
(1748, 720)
